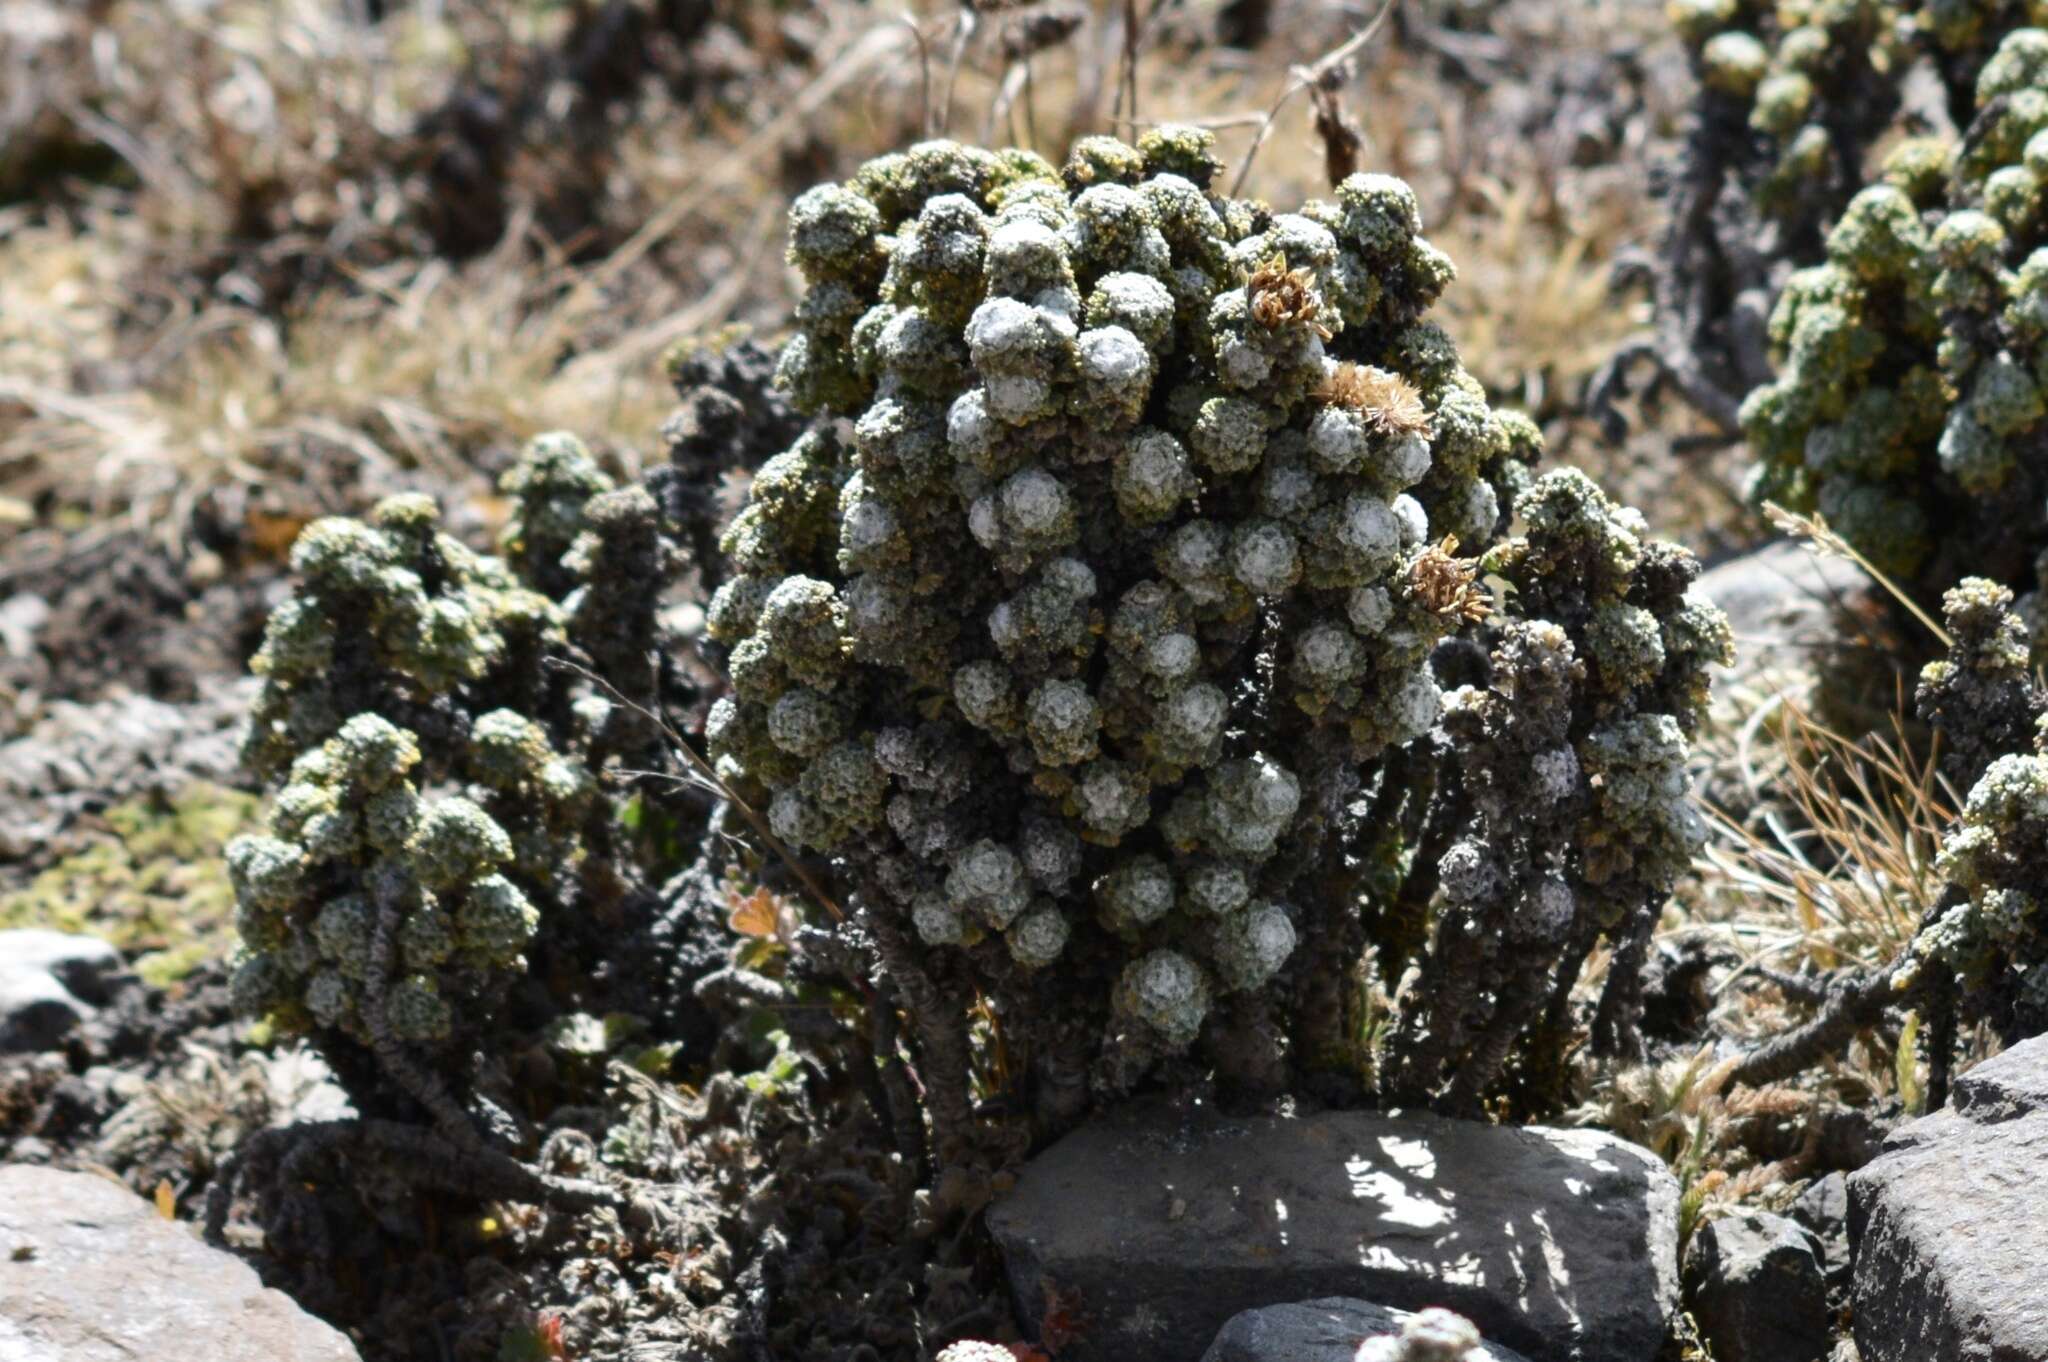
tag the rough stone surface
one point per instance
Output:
(86, 756)
(1148, 1230)
(1757, 1289)
(1778, 600)
(90, 1273)
(49, 982)
(1328, 1330)
(1824, 1209)
(2005, 1087)
(1951, 1245)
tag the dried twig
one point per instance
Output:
(1339, 133)
(924, 74)
(1127, 87)
(703, 773)
(1331, 66)
(962, 34)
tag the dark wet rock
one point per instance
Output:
(1147, 1231)
(89, 1272)
(1757, 1289)
(49, 983)
(1328, 1330)
(1951, 1248)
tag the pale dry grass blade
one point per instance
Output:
(1834, 862)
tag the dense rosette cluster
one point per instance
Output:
(1078, 633)
(1114, 439)
(1804, 87)
(1909, 409)
(1991, 943)
(371, 911)
(434, 774)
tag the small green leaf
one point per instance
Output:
(620, 1027)
(655, 1060)
(1906, 1066)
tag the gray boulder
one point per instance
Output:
(1778, 600)
(1150, 1230)
(2005, 1087)
(49, 982)
(89, 1272)
(1823, 1208)
(1757, 1289)
(1951, 1246)
(1327, 1330)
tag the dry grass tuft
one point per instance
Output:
(1687, 1111)
(1833, 862)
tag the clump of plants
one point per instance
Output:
(1117, 649)
(1909, 408)
(1986, 953)
(1806, 86)
(729, 419)
(1789, 99)
(1801, 109)
(437, 823)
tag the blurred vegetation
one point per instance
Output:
(153, 883)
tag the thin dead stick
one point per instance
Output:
(1030, 107)
(1236, 120)
(924, 73)
(1127, 87)
(1003, 107)
(1023, 38)
(704, 772)
(1304, 77)
(967, 24)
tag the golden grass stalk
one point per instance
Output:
(1815, 530)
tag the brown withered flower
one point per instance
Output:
(1390, 403)
(1446, 584)
(1283, 297)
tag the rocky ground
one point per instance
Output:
(1672, 1215)
(1137, 1239)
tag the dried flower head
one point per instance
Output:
(1390, 403)
(1446, 584)
(1283, 297)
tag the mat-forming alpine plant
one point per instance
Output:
(1090, 628)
